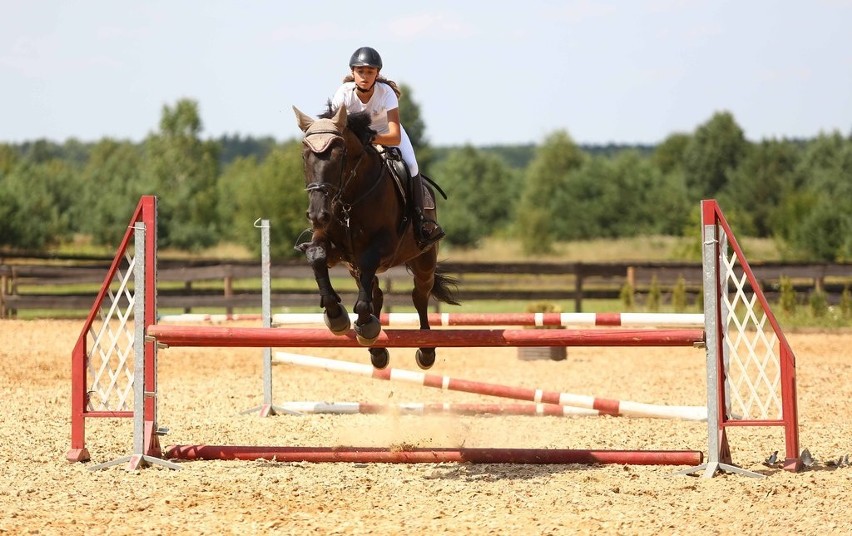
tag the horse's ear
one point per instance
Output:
(340, 118)
(304, 120)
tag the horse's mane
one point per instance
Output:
(358, 123)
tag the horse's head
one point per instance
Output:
(323, 152)
(334, 150)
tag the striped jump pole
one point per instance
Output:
(513, 319)
(602, 405)
(420, 408)
(211, 318)
(465, 319)
(433, 455)
(230, 337)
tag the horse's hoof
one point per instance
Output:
(379, 357)
(425, 358)
(369, 331)
(340, 324)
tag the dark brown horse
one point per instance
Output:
(358, 218)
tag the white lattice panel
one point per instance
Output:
(752, 349)
(110, 342)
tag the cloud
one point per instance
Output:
(581, 11)
(301, 33)
(45, 59)
(786, 75)
(440, 25)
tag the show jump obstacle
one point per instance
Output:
(750, 366)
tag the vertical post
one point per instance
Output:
(387, 290)
(578, 287)
(267, 408)
(144, 393)
(718, 454)
(229, 291)
(187, 290)
(149, 214)
(140, 416)
(4, 280)
(266, 311)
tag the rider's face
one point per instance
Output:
(365, 76)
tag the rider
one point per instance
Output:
(364, 89)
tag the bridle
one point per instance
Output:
(336, 191)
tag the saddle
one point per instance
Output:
(392, 158)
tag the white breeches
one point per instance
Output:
(408, 152)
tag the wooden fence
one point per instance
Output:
(69, 284)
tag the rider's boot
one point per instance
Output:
(426, 227)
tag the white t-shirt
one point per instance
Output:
(383, 99)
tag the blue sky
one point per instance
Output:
(483, 72)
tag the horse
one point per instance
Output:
(358, 217)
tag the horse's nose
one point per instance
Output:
(319, 218)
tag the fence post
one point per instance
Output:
(229, 291)
(578, 287)
(4, 282)
(187, 286)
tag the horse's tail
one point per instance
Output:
(444, 288)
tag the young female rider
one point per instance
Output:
(365, 90)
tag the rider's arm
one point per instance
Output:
(392, 137)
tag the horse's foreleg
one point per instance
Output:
(379, 357)
(367, 325)
(336, 317)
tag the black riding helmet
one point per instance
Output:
(365, 57)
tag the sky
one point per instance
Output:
(482, 72)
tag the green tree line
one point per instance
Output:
(798, 192)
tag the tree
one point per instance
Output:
(669, 155)
(713, 152)
(638, 199)
(543, 197)
(482, 192)
(8, 160)
(759, 184)
(817, 219)
(112, 183)
(183, 170)
(273, 190)
(35, 204)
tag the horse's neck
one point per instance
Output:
(364, 168)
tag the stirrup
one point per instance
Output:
(424, 240)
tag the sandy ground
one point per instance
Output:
(203, 391)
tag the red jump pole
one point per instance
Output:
(214, 336)
(433, 455)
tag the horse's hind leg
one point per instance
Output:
(423, 270)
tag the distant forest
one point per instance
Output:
(797, 192)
